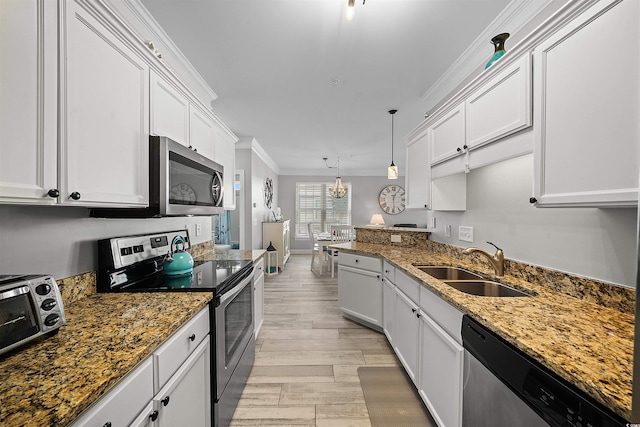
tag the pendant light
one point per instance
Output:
(337, 190)
(392, 170)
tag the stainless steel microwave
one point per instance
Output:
(182, 182)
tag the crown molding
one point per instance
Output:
(553, 23)
(169, 48)
(250, 143)
(512, 19)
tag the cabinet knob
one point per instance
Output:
(418, 315)
(532, 200)
(107, 424)
(153, 416)
(458, 149)
(53, 193)
(75, 195)
(413, 310)
(464, 147)
(192, 337)
(165, 401)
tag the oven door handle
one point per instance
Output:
(234, 291)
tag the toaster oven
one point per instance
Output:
(30, 306)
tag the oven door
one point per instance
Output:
(234, 330)
(18, 321)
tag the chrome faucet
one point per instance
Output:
(497, 260)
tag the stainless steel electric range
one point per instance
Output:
(135, 264)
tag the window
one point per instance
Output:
(314, 205)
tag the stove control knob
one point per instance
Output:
(43, 289)
(51, 319)
(48, 304)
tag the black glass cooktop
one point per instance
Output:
(208, 276)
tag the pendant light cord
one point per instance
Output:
(392, 112)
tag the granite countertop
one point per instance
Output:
(52, 380)
(588, 345)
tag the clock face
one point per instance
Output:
(391, 199)
(182, 194)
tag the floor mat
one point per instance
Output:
(391, 398)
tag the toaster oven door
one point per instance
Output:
(18, 321)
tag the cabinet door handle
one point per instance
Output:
(418, 315)
(153, 416)
(192, 337)
(413, 310)
(107, 424)
(75, 195)
(165, 401)
(53, 193)
(532, 200)
(458, 149)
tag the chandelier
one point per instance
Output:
(337, 190)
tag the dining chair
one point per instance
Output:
(339, 234)
(314, 248)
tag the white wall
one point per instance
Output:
(62, 241)
(364, 201)
(589, 242)
(256, 171)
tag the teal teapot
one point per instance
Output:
(179, 261)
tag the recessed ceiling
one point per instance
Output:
(307, 84)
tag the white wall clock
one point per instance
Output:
(392, 199)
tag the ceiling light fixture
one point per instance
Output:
(351, 9)
(392, 170)
(337, 190)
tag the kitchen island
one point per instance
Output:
(52, 380)
(588, 344)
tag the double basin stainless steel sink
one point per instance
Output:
(470, 283)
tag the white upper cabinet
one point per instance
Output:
(28, 105)
(501, 106)
(587, 109)
(104, 113)
(201, 131)
(169, 111)
(418, 175)
(447, 135)
(224, 153)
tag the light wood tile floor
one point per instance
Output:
(307, 356)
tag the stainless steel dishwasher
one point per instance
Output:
(503, 387)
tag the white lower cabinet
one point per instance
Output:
(441, 359)
(258, 295)
(360, 288)
(186, 398)
(406, 336)
(441, 365)
(388, 310)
